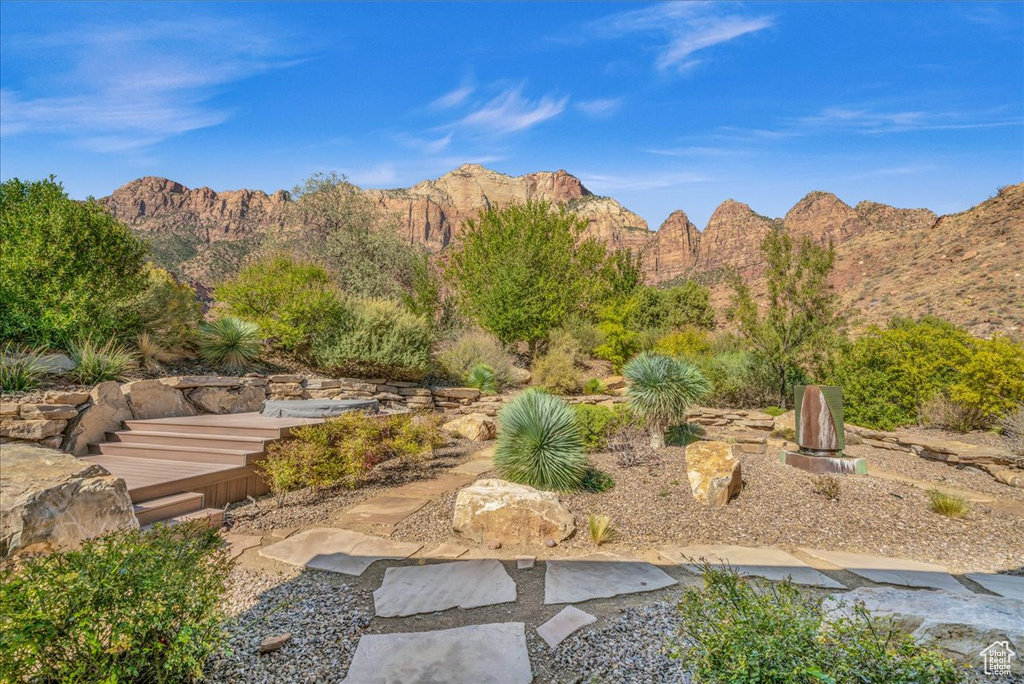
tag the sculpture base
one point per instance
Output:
(840, 465)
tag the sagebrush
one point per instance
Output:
(474, 348)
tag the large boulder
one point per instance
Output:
(106, 412)
(508, 513)
(155, 399)
(475, 426)
(50, 500)
(714, 472)
(241, 399)
(963, 625)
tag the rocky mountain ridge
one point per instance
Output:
(890, 261)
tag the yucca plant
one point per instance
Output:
(20, 369)
(949, 505)
(661, 389)
(482, 378)
(601, 529)
(230, 343)
(94, 364)
(539, 443)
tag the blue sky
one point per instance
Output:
(662, 106)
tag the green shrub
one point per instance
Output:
(597, 423)
(594, 386)
(661, 389)
(620, 342)
(539, 443)
(70, 270)
(737, 380)
(344, 450)
(471, 349)
(596, 481)
(168, 311)
(689, 343)
(131, 607)
(582, 329)
(95, 364)
(890, 375)
(773, 411)
(556, 371)
(482, 378)
(20, 369)
(286, 298)
(230, 343)
(374, 338)
(740, 631)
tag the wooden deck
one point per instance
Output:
(210, 457)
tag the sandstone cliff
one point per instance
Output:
(889, 261)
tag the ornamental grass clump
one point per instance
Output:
(230, 343)
(539, 443)
(661, 389)
(949, 505)
(94, 364)
(20, 369)
(601, 530)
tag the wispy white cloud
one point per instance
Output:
(600, 108)
(452, 98)
(117, 88)
(644, 181)
(868, 120)
(379, 174)
(682, 29)
(694, 151)
(510, 112)
(427, 145)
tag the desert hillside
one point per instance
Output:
(965, 267)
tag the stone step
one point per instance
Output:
(214, 516)
(155, 510)
(190, 439)
(166, 452)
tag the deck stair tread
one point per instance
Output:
(214, 515)
(173, 467)
(241, 439)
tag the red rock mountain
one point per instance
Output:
(965, 267)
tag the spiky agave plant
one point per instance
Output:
(231, 343)
(539, 443)
(482, 378)
(661, 389)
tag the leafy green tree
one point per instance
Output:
(523, 269)
(169, 310)
(335, 224)
(69, 270)
(804, 318)
(674, 308)
(622, 273)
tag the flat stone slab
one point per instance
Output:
(478, 654)
(238, 543)
(765, 561)
(525, 562)
(568, 620)
(600, 575)
(892, 570)
(383, 510)
(1010, 586)
(475, 467)
(428, 588)
(446, 551)
(343, 551)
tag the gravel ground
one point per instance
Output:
(651, 505)
(323, 613)
(633, 648)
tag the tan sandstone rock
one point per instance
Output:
(51, 500)
(32, 430)
(155, 399)
(494, 510)
(106, 412)
(714, 472)
(475, 426)
(242, 399)
(785, 426)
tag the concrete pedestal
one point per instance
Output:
(840, 465)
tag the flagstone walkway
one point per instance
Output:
(497, 653)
